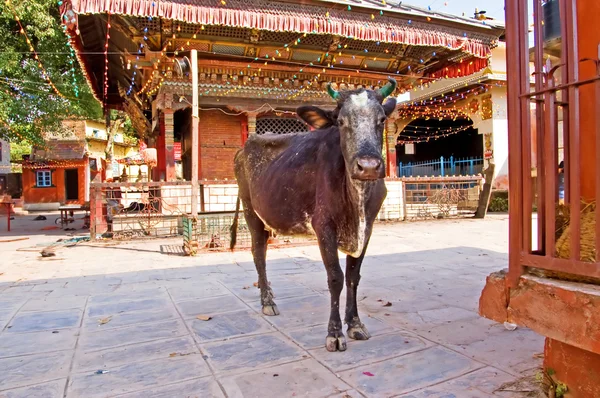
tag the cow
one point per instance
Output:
(327, 182)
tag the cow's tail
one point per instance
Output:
(234, 226)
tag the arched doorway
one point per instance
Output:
(439, 147)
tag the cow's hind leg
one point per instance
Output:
(259, 253)
(335, 341)
(356, 329)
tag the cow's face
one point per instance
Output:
(360, 117)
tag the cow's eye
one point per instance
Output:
(382, 120)
(340, 122)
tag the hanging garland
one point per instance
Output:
(43, 70)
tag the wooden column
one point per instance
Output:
(195, 133)
(170, 172)
(251, 122)
(390, 134)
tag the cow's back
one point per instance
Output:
(277, 175)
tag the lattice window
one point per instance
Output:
(227, 49)
(280, 37)
(279, 125)
(422, 52)
(371, 46)
(379, 64)
(153, 25)
(222, 31)
(316, 40)
(306, 56)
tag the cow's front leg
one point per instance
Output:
(356, 329)
(335, 341)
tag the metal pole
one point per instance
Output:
(195, 137)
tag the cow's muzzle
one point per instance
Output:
(368, 168)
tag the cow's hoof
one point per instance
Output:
(359, 332)
(334, 344)
(270, 310)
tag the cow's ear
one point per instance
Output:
(315, 117)
(389, 106)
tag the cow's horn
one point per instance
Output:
(333, 92)
(389, 88)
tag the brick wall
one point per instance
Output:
(220, 139)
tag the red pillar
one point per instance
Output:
(390, 143)
(165, 169)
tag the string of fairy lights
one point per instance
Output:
(105, 96)
(23, 32)
(156, 78)
(439, 134)
(433, 108)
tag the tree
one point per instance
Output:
(115, 122)
(29, 79)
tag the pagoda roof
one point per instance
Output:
(396, 39)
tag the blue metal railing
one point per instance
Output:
(441, 167)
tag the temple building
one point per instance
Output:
(259, 61)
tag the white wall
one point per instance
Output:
(5, 162)
(98, 130)
(500, 140)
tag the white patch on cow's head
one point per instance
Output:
(360, 100)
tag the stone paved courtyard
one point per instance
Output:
(122, 319)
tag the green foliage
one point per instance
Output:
(498, 204)
(561, 389)
(29, 104)
(18, 149)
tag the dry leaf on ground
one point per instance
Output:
(104, 320)
(388, 304)
(178, 354)
(204, 317)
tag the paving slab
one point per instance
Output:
(249, 353)
(306, 378)
(228, 325)
(376, 349)
(409, 372)
(50, 320)
(54, 304)
(481, 383)
(204, 387)
(210, 306)
(113, 320)
(13, 344)
(32, 369)
(114, 357)
(137, 376)
(129, 309)
(103, 339)
(51, 389)
(314, 336)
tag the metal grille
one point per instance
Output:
(202, 47)
(279, 125)
(220, 31)
(377, 64)
(153, 25)
(350, 61)
(227, 49)
(315, 41)
(272, 52)
(305, 56)
(370, 46)
(280, 37)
